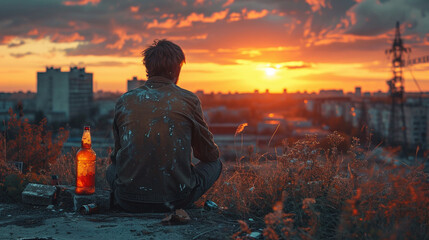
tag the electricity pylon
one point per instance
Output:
(397, 134)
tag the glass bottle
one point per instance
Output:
(85, 166)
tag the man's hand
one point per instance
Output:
(179, 217)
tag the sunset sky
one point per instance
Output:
(230, 45)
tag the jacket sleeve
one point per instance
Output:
(116, 138)
(203, 145)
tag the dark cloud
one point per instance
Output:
(124, 28)
(374, 17)
(20, 55)
(305, 65)
(16, 44)
(347, 52)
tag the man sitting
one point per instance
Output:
(156, 128)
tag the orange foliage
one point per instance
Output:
(31, 144)
(326, 193)
(244, 231)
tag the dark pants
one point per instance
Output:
(205, 174)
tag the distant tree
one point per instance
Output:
(39, 116)
(20, 108)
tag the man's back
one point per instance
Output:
(155, 128)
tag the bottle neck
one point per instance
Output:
(86, 139)
(86, 146)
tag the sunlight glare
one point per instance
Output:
(270, 71)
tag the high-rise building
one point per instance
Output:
(417, 122)
(62, 96)
(358, 91)
(331, 92)
(134, 83)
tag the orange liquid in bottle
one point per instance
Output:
(85, 166)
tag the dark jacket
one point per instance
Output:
(156, 127)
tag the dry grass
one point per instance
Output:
(320, 193)
(312, 191)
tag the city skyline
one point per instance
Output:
(131, 83)
(236, 46)
(134, 82)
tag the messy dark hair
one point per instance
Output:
(163, 58)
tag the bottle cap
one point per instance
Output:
(210, 205)
(86, 128)
(88, 209)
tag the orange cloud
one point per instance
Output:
(197, 51)
(80, 2)
(233, 17)
(183, 2)
(33, 32)
(352, 17)
(134, 9)
(426, 40)
(6, 39)
(252, 52)
(340, 37)
(57, 37)
(307, 26)
(96, 39)
(316, 4)
(227, 3)
(198, 2)
(339, 33)
(194, 17)
(277, 12)
(195, 37)
(252, 14)
(78, 25)
(166, 15)
(169, 23)
(123, 36)
(294, 65)
(344, 23)
(293, 25)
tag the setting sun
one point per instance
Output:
(270, 71)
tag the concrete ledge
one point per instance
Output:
(39, 194)
(64, 196)
(100, 197)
